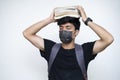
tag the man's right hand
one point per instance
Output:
(51, 17)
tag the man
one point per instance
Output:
(65, 66)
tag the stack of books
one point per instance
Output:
(71, 11)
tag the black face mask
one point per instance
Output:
(65, 36)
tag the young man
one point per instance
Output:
(65, 66)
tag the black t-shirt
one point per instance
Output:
(65, 65)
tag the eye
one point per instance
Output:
(68, 27)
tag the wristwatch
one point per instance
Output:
(87, 20)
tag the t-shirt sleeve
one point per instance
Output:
(88, 52)
(48, 44)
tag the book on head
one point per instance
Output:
(71, 11)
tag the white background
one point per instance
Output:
(20, 60)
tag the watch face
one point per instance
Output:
(71, 11)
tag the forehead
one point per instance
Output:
(67, 24)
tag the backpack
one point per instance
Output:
(79, 56)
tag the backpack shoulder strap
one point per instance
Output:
(79, 56)
(80, 59)
(53, 54)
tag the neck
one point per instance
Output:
(68, 46)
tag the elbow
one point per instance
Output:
(110, 40)
(25, 34)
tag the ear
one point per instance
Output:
(76, 32)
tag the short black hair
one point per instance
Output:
(73, 20)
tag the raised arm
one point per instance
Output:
(30, 32)
(105, 37)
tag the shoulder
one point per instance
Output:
(88, 52)
(48, 44)
(88, 45)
